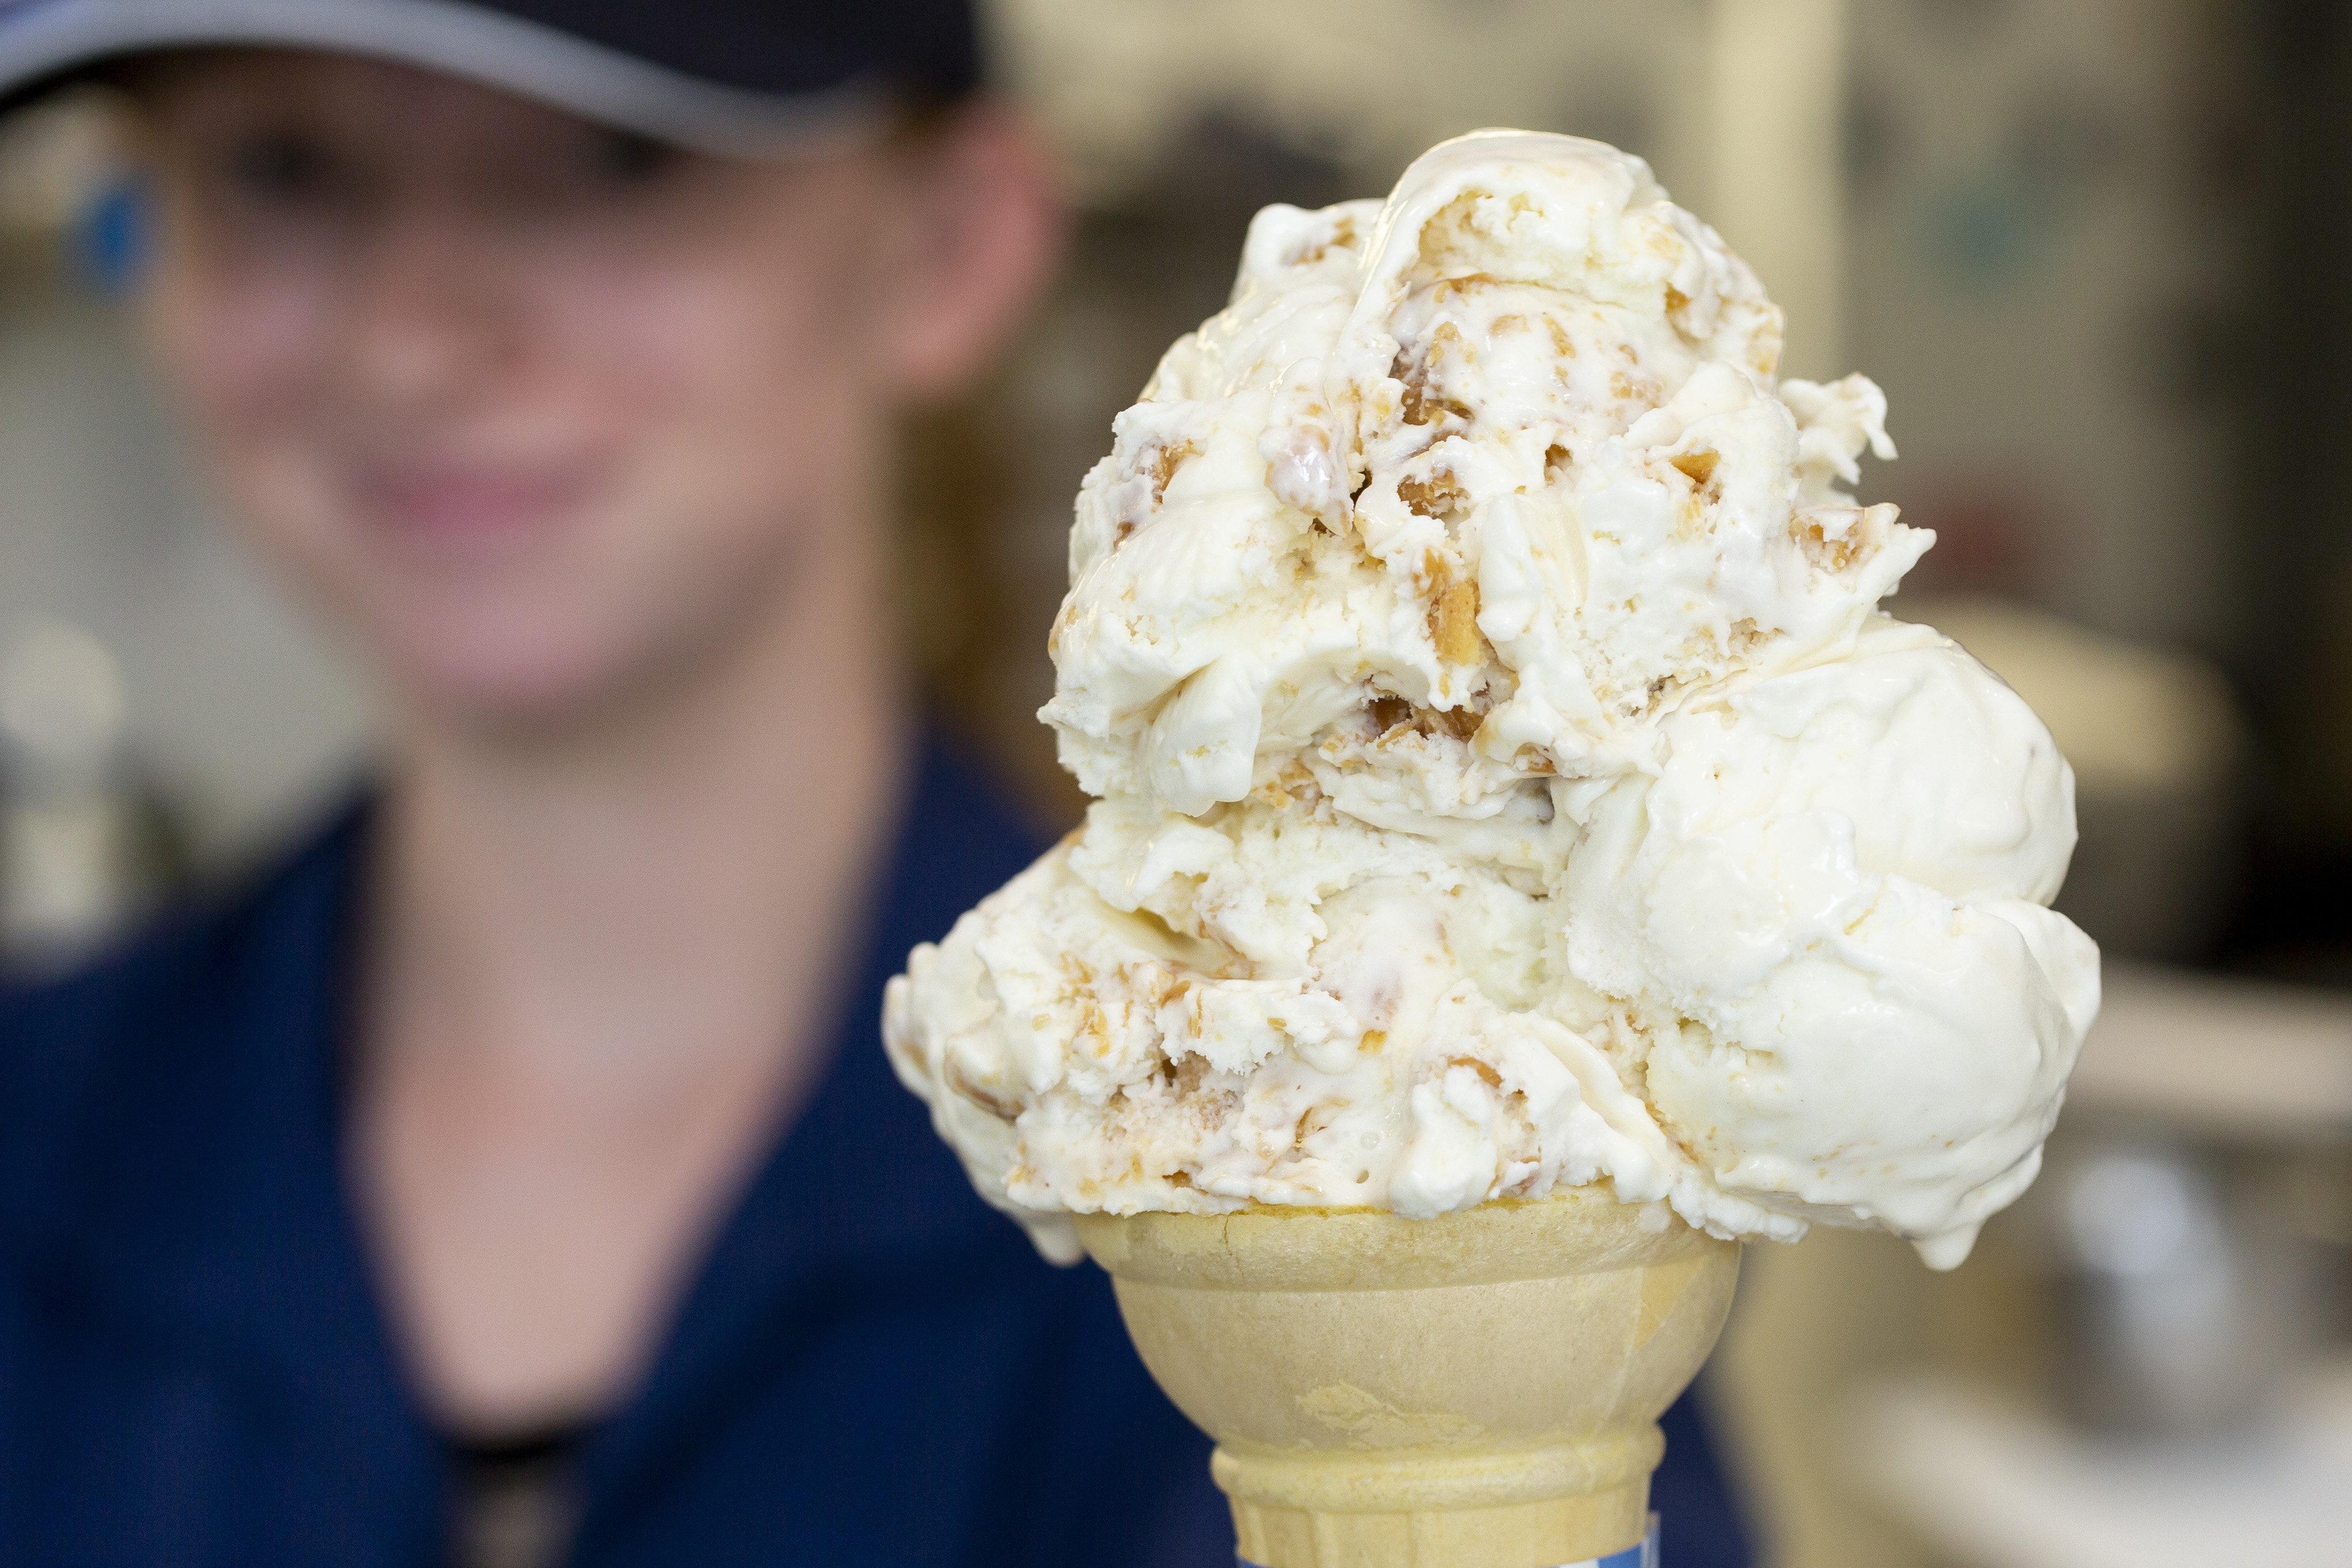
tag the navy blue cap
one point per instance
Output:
(747, 77)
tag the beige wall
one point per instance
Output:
(240, 709)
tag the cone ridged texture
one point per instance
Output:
(1475, 1391)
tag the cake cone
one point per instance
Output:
(1480, 1390)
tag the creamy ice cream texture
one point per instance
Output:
(1505, 779)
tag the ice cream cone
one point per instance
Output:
(1479, 1390)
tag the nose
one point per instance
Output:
(425, 323)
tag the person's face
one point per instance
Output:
(538, 408)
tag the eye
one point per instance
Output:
(624, 158)
(282, 168)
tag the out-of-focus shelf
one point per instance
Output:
(1995, 1483)
(2233, 1059)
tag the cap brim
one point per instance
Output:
(42, 40)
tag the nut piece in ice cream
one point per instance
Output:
(1505, 779)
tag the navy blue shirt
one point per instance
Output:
(870, 1366)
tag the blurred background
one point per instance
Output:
(2094, 250)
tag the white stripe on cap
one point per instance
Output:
(40, 38)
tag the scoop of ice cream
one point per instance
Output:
(1505, 779)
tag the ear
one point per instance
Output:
(983, 231)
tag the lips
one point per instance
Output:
(469, 510)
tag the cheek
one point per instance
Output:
(250, 360)
(249, 353)
(733, 426)
(734, 391)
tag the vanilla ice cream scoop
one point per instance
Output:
(1506, 781)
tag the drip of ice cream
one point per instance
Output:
(1505, 779)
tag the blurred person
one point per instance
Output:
(512, 1174)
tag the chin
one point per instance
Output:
(510, 677)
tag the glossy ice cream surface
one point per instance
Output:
(1505, 779)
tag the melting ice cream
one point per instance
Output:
(1505, 780)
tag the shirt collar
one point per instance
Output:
(862, 1197)
(202, 1202)
(205, 1196)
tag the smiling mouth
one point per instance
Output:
(472, 510)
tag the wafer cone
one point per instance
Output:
(1479, 1390)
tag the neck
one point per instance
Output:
(657, 893)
